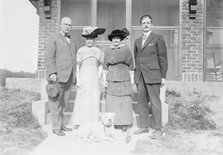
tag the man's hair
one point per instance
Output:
(145, 16)
(64, 19)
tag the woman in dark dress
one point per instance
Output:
(118, 62)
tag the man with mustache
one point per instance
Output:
(150, 73)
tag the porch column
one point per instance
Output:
(191, 42)
(47, 27)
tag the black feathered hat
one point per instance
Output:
(122, 34)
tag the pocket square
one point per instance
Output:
(151, 44)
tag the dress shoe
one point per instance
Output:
(141, 130)
(63, 128)
(76, 126)
(59, 132)
(157, 134)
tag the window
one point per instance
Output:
(81, 14)
(214, 41)
(111, 14)
(117, 14)
(163, 12)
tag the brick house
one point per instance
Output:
(192, 29)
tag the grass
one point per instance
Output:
(190, 111)
(20, 131)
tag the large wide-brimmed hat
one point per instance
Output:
(92, 32)
(122, 34)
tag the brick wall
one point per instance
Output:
(192, 43)
(47, 27)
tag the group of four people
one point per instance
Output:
(66, 65)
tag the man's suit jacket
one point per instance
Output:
(61, 57)
(151, 59)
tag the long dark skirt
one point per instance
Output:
(122, 107)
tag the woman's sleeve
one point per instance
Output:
(101, 56)
(104, 60)
(129, 60)
(78, 56)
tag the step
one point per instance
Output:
(71, 101)
(73, 94)
(67, 116)
(136, 123)
(70, 105)
(68, 113)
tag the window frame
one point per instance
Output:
(205, 45)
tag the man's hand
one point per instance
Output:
(79, 84)
(53, 77)
(163, 82)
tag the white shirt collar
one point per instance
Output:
(147, 33)
(62, 33)
(68, 39)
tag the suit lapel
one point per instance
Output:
(140, 43)
(66, 41)
(72, 47)
(63, 38)
(148, 40)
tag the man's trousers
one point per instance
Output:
(149, 93)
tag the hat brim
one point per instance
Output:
(89, 35)
(52, 90)
(94, 34)
(99, 31)
(120, 35)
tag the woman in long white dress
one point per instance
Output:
(87, 102)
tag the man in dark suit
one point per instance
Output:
(61, 68)
(150, 72)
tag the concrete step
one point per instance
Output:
(67, 116)
(70, 106)
(136, 123)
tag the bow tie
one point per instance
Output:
(67, 35)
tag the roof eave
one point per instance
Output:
(34, 3)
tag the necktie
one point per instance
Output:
(143, 39)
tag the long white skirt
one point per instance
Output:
(86, 106)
